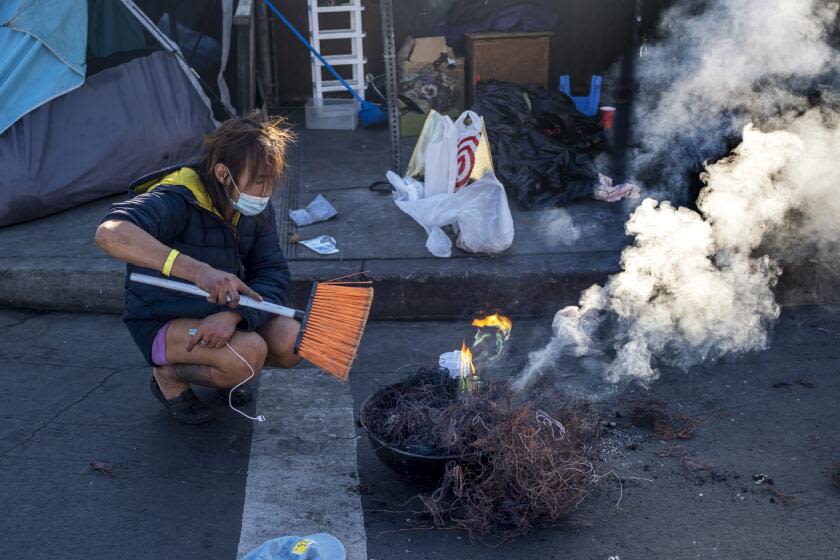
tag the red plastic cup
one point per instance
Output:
(607, 117)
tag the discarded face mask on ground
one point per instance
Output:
(323, 244)
(320, 546)
(318, 210)
(449, 155)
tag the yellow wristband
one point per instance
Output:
(170, 260)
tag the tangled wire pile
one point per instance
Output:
(516, 467)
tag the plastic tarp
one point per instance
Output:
(91, 142)
(543, 148)
(42, 53)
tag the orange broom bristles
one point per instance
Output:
(333, 326)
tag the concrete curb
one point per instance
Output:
(520, 286)
(405, 288)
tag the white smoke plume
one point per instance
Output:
(696, 286)
(720, 65)
(557, 227)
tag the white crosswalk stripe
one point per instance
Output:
(303, 475)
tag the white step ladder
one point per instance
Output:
(355, 58)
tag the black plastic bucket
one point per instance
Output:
(411, 465)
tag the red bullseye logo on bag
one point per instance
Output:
(466, 159)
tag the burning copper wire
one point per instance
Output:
(518, 466)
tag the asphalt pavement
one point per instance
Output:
(75, 394)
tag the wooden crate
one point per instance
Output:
(521, 58)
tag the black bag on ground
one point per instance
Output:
(543, 148)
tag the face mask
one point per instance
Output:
(248, 204)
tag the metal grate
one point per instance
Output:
(285, 197)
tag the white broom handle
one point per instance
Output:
(195, 290)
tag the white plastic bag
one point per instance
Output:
(479, 212)
(469, 137)
(448, 156)
(439, 156)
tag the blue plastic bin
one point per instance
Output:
(588, 105)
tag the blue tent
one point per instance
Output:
(35, 47)
(94, 95)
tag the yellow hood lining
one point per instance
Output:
(185, 177)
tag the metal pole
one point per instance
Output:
(266, 78)
(387, 10)
(624, 118)
(243, 21)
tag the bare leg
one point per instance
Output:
(280, 334)
(210, 367)
(168, 381)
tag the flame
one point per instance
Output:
(466, 366)
(495, 320)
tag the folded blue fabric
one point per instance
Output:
(318, 210)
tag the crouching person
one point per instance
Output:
(209, 222)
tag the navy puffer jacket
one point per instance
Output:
(173, 206)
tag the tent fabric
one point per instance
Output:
(227, 28)
(93, 141)
(40, 38)
(112, 29)
(172, 47)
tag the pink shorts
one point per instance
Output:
(159, 347)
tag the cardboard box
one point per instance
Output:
(521, 58)
(428, 49)
(430, 76)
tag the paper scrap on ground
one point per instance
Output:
(323, 244)
(318, 210)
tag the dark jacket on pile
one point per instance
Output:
(173, 206)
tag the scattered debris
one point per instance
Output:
(106, 468)
(786, 384)
(519, 466)
(776, 494)
(690, 462)
(672, 451)
(666, 426)
(694, 464)
(318, 210)
(768, 485)
(762, 479)
(323, 244)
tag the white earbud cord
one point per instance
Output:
(259, 418)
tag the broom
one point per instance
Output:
(331, 327)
